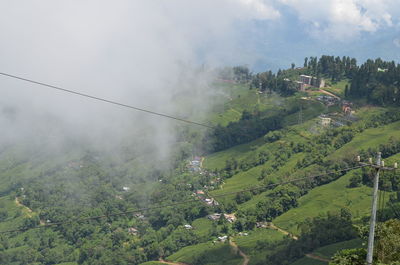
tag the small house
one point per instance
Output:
(222, 238)
(211, 202)
(188, 227)
(214, 216)
(133, 231)
(230, 217)
(261, 225)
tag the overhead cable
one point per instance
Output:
(106, 100)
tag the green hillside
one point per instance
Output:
(327, 198)
(272, 181)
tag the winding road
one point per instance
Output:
(235, 247)
(328, 93)
(18, 203)
(283, 231)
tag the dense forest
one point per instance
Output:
(376, 81)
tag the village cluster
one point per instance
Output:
(336, 119)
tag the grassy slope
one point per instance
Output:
(329, 197)
(312, 204)
(282, 173)
(237, 98)
(328, 251)
(369, 138)
(217, 160)
(202, 227)
(211, 254)
(246, 179)
(338, 88)
(251, 244)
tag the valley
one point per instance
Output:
(274, 181)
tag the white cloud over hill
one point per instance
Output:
(344, 19)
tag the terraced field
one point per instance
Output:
(209, 253)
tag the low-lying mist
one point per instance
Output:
(140, 53)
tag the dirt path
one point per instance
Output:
(312, 256)
(171, 263)
(19, 204)
(329, 93)
(201, 161)
(246, 258)
(283, 231)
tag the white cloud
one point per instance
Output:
(259, 9)
(129, 51)
(344, 19)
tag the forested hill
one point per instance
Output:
(274, 180)
(377, 81)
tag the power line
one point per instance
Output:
(114, 102)
(289, 181)
(174, 204)
(106, 100)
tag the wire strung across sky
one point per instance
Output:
(289, 181)
(158, 206)
(106, 100)
(139, 210)
(114, 102)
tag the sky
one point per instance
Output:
(260, 33)
(271, 34)
(144, 53)
(358, 28)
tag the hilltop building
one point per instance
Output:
(309, 81)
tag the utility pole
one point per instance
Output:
(373, 211)
(379, 165)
